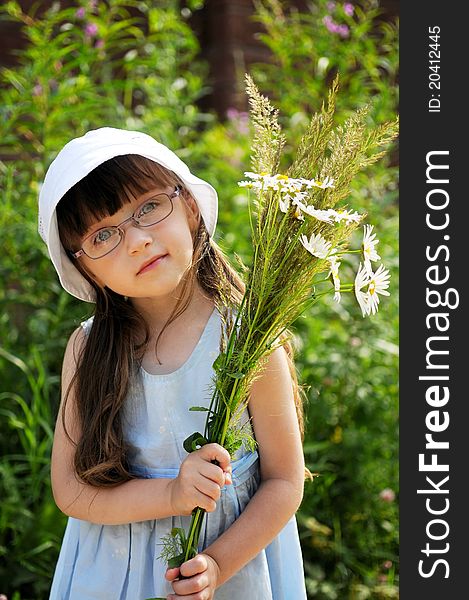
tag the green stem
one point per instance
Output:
(194, 533)
(341, 252)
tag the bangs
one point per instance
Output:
(105, 190)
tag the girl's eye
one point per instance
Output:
(104, 236)
(148, 208)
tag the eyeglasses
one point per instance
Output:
(105, 240)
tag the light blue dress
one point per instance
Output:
(121, 562)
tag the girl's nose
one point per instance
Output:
(137, 239)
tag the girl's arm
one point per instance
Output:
(281, 490)
(198, 482)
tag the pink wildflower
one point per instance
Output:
(80, 13)
(91, 29)
(232, 113)
(238, 118)
(343, 30)
(333, 27)
(387, 564)
(348, 9)
(329, 23)
(387, 495)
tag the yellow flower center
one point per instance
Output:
(283, 177)
(372, 287)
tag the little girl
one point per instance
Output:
(130, 228)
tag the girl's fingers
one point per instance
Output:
(216, 452)
(193, 585)
(197, 585)
(172, 574)
(213, 473)
(209, 488)
(204, 501)
(195, 565)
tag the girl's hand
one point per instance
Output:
(201, 575)
(200, 481)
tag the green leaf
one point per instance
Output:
(176, 561)
(194, 442)
(218, 364)
(237, 375)
(199, 409)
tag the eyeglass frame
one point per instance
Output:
(177, 192)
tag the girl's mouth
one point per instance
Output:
(150, 264)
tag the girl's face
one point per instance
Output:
(149, 262)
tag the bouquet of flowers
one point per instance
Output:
(299, 236)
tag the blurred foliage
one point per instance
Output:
(310, 47)
(135, 65)
(126, 62)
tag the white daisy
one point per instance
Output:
(300, 196)
(327, 183)
(378, 284)
(321, 215)
(368, 248)
(299, 206)
(334, 265)
(362, 278)
(316, 245)
(308, 183)
(298, 214)
(345, 215)
(271, 183)
(284, 202)
(252, 175)
(290, 187)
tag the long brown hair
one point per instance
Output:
(118, 337)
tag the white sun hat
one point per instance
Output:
(78, 158)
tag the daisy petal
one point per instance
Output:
(363, 298)
(316, 245)
(368, 247)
